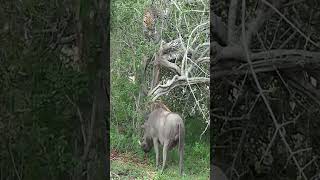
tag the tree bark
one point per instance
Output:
(94, 162)
(101, 143)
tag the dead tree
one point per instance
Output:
(183, 61)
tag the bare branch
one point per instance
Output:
(83, 131)
(262, 16)
(266, 102)
(231, 52)
(232, 22)
(171, 66)
(219, 29)
(160, 90)
(291, 24)
(286, 52)
(90, 132)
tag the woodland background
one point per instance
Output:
(53, 89)
(182, 84)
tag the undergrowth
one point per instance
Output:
(129, 161)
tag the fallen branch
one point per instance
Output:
(160, 90)
(285, 52)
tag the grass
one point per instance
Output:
(127, 166)
(129, 162)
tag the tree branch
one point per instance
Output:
(291, 24)
(232, 16)
(262, 16)
(171, 66)
(265, 100)
(160, 90)
(219, 29)
(83, 131)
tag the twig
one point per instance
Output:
(266, 102)
(12, 160)
(226, 118)
(288, 39)
(232, 16)
(83, 131)
(291, 24)
(89, 140)
(243, 134)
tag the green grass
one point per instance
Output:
(127, 160)
(126, 168)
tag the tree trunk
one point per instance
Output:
(94, 157)
(99, 165)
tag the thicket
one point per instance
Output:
(132, 72)
(265, 88)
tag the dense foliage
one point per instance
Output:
(131, 80)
